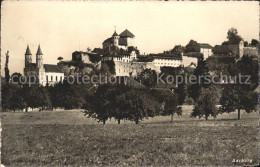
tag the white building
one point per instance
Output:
(206, 50)
(167, 60)
(45, 73)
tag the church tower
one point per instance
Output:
(28, 57)
(115, 38)
(39, 66)
(39, 60)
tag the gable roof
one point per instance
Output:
(127, 33)
(205, 45)
(28, 51)
(52, 68)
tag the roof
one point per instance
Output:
(127, 33)
(131, 48)
(133, 83)
(205, 45)
(48, 67)
(178, 48)
(107, 40)
(28, 51)
(52, 68)
(82, 52)
(166, 56)
(115, 34)
(39, 51)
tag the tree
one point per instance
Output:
(7, 75)
(233, 37)
(7, 92)
(17, 101)
(181, 91)
(135, 106)
(192, 46)
(73, 97)
(98, 106)
(206, 104)
(88, 49)
(245, 44)
(201, 74)
(225, 43)
(237, 97)
(250, 101)
(60, 58)
(249, 66)
(38, 97)
(117, 96)
(148, 78)
(254, 42)
(17, 78)
(139, 104)
(171, 106)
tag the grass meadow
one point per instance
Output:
(58, 138)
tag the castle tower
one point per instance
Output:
(115, 38)
(28, 57)
(39, 60)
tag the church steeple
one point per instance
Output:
(28, 51)
(28, 56)
(39, 60)
(39, 51)
(115, 34)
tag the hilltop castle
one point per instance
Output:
(121, 50)
(45, 73)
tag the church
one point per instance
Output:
(45, 73)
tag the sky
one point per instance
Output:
(62, 27)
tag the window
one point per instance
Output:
(60, 78)
(47, 78)
(51, 78)
(56, 78)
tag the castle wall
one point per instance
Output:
(133, 68)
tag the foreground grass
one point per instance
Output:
(68, 138)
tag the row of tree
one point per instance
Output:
(61, 95)
(125, 103)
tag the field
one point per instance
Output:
(57, 138)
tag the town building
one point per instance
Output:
(45, 73)
(205, 49)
